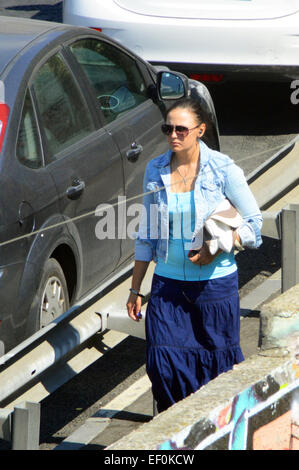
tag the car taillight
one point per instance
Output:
(97, 29)
(207, 77)
(4, 113)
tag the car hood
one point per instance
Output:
(212, 9)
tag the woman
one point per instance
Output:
(193, 314)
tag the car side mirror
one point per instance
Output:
(172, 85)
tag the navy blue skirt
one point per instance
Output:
(193, 334)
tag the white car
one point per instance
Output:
(209, 40)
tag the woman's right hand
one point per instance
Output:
(134, 306)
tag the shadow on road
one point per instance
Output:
(255, 108)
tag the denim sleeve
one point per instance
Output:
(240, 195)
(145, 245)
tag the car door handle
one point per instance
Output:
(75, 191)
(133, 154)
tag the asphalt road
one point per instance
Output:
(254, 120)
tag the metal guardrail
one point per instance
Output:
(287, 223)
(21, 426)
(284, 225)
(272, 183)
(32, 361)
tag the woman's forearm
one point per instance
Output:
(240, 195)
(139, 272)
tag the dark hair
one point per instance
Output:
(191, 104)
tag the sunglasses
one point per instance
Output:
(181, 131)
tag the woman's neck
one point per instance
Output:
(188, 157)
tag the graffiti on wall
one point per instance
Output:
(265, 416)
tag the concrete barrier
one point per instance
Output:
(254, 406)
(280, 322)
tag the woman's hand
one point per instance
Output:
(134, 306)
(203, 256)
(134, 301)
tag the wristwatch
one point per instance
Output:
(134, 291)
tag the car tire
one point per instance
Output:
(52, 297)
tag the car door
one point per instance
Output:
(131, 117)
(28, 199)
(84, 162)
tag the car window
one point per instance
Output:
(65, 115)
(115, 77)
(28, 147)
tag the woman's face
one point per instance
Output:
(187, 118)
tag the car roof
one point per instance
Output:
(17, 33)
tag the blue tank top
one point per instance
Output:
(181, 226)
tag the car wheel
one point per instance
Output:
(52, 295)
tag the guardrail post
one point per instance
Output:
(290, 246)
(26, 426)
(5, 424)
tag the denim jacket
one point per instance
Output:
(218, 178)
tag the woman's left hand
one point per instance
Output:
(203, 256)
